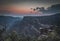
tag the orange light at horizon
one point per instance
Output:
(20, 10)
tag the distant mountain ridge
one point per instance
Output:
(9, 21)
(52, 19)
(29, 25)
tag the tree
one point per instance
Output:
(2, 30)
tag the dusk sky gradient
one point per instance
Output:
(24, 6)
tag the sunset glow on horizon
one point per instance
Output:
(28, 7)
(17, 9)
(21, 10)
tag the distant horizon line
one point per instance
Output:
(22, 15)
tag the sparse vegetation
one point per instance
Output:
(53, 35)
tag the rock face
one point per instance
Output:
(9, 21)
(30, 25)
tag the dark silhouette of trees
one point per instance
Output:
(2, 30)
(47, 34)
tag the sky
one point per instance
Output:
(27, 7)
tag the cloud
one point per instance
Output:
(53, 9)
(20, 1)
